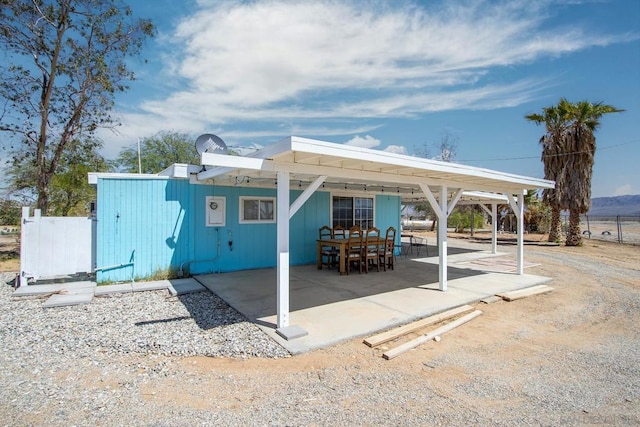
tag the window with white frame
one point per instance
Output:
(257, 210)
(350, 211)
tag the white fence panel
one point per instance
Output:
(56, 246)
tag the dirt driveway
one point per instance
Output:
(570, 357)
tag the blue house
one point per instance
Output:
(264, 210)
(148, 224)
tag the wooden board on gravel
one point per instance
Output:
(414, 326)
(523, 293)
(397, 351)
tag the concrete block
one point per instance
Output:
(67, 288)
(32, 290)
(113, 289)
(158, 285)
(59, 300)
(291, 332)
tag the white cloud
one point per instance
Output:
(397, 149)
(366, 142)
(296, 63)
(624, 190)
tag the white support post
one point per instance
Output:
(493, 213)
(518, 209)
(442, 234)
(283, 249)
(442, 210)
(494, 228)
(520, 233)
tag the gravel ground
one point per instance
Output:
(571, 357)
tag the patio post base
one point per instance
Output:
(291, 332)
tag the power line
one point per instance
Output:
(554, 155)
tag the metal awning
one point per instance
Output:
(320, 163)
(356, 168)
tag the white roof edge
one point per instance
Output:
(176, 170)
(94, 176)
(180, 170)
(308, 145)
(483, 195)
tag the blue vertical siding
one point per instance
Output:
(159, 224)
(304, 225)
(140, 222)
(388, 214)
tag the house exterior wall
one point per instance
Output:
(148, 226)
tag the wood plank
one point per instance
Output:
(491, 299)
(523, 293)
(397, 351)
(414, 326)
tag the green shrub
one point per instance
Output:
(460, 219)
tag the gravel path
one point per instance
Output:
(152, 322)
(109, 337)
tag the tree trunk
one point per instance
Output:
(574, 238)
(555, 227)
(42, 187)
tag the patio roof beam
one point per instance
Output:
(454, 201)
(261, 166)
(395, 179)
(308, 192)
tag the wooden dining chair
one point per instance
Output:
(339, 232)
(387, 249)
(328, 254)
(354, 249)
(371, 248)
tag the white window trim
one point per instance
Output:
(241, 220)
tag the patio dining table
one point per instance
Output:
(341, 245)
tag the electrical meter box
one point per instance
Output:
(215, 211)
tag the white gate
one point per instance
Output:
(55, 246)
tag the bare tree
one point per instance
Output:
(65, 61)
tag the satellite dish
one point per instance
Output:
(210, 143)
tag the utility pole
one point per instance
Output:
(139, 161)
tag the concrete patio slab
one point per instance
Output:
(333, 308)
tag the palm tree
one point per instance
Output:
(568, 151)
(556, 119)
(580, 150)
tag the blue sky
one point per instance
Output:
(392, 75)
